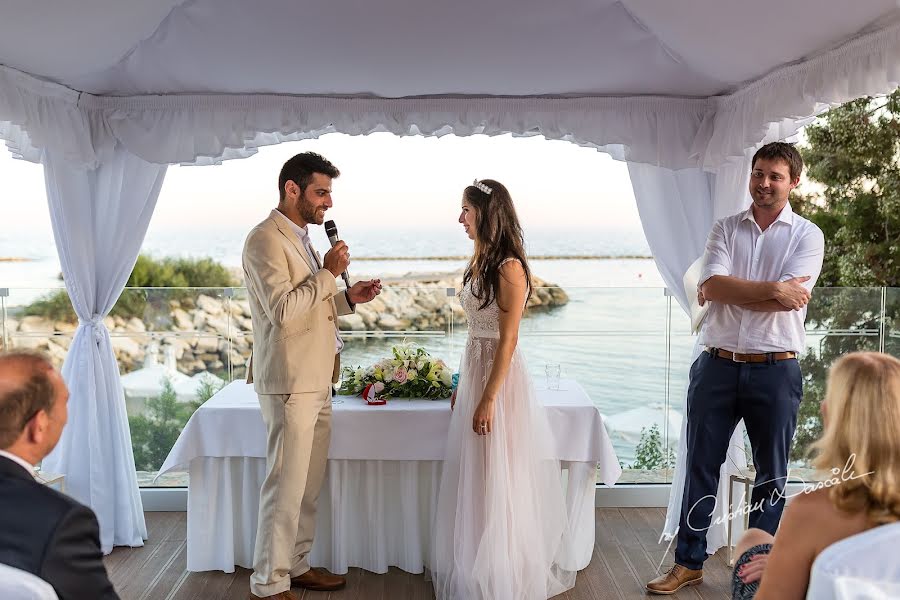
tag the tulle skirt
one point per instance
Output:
(501, 511)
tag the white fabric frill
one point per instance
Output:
(675, 133)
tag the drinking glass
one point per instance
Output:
(553, 371)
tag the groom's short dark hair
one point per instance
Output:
(300, 169)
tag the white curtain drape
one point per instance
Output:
(99, 218)
(677, 210)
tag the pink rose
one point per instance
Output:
(400, 375)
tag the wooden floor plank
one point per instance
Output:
(626, 555)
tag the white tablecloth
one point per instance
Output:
(381, 484)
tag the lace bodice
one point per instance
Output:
(483, 322)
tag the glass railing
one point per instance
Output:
(629, 348)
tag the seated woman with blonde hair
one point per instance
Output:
(860, 449)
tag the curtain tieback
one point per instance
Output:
(95, 323)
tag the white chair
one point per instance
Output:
(16, 584)
(861, 567)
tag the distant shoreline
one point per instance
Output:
(15, 259)
(530, 257)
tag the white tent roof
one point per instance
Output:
(687, 83)
(396, 48)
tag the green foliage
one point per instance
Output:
(852, 153)
(141, 303)
(54, 306)
(650, 454)
(852, 156)
(154, 433)
(179, 272)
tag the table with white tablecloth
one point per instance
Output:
(382, 479)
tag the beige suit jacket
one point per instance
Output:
(294, 313)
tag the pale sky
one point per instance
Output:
(386, 181)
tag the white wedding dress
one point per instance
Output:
(501, 512)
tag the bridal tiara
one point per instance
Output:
(483, 187)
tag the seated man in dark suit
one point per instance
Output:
(43, 531)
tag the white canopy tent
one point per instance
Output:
(106, 93)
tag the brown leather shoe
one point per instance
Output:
(319, 580)
(288, 595)
(674, 579)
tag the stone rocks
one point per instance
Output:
(34, 324)
(210, 306)
(204, 333)
(353, 322)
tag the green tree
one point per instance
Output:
(852, 154)
(154, 433)
(142, 303)
(852, 160)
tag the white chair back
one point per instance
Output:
(16, 584)
(861, 567)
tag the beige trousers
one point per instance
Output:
(299, 432)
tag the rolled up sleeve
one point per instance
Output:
(806, 259)
(716, 258)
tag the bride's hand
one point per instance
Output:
(453, 399)
(483, 420)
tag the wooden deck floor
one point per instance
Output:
(626, 556)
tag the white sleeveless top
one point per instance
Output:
(483, 322)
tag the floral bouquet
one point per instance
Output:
(410, 373)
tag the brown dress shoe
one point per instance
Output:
(319, 580)
(288, 595)
(674, 579)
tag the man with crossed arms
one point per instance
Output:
(759, 269)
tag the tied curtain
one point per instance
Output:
(99, 217)
(677, 210)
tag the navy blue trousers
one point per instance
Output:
(721, 393)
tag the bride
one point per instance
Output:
(501, 514)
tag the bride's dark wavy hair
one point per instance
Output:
(498, 236)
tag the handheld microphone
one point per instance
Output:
(331, 232)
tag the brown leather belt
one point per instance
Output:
(751, 358)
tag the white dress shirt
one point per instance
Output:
(303, 236)
(19, 460)
(790, 247)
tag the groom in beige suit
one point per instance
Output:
(295, 303)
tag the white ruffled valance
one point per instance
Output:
(671, 132)
(206, 129)
(36, 114)
(778, 105)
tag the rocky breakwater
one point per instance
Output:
(429, 303)
(209, 334)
